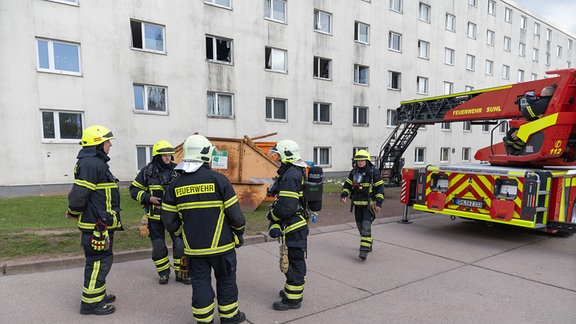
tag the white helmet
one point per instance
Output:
(198, 148)
(288, 150)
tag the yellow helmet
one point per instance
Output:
(198, 148)
(288, 150)
(162, 147)
(362, 155)
(95, 135)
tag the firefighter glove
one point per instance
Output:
(373, 208)
(284, 262)
(183, 273)
(238, 239)
(100, 240)
(143, 229)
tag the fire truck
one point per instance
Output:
(535, 188)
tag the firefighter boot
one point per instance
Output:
(109, 298)
(363, 255)
(238, 318)
(98, 310)
(163, 280)
(282, 294)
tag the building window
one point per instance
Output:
(391, 115)
(322, 68)
(535, 54)
(444, 154)
(470, 62)
(361, 74)
(322, 156)
(533, 76)
(466, 154)
(151, 99)
(143, 155)
(508, 15)
(507, 44)
(276, 109)
(448, 56)
(502, 128)
(520, 75)
(505, 72)
(559, 51)
(536, 28)
(147, 36)
(485, 128)
(492, 7)
(467, 126)
(275, 10)
(468, 88)
(70, 2)
(61, 126)
(322, 113)
(521, 49)
(58, 57)
(218, 49)
(446, 126)
(424, 12)
(489, 67)
(361, 32)
(472, 3)
(396, 5)
(423, 49)
(548, 58)
(490, 37)
(419, 155)
(421, 85)
(221, 3)
(275, 60)
(450, 23)
(471, 32)
(570, 44)
(394, 41)
(394, 80)
(322, 22)
(360, 117)
(523, 22)
(220, 104)
(448, 87)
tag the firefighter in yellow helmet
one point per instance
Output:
(148, 189)
(203, 203)
(288, 219)
(94, 202)
(365, 188)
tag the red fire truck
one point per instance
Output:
(535, 188)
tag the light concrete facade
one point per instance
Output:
(110, 65)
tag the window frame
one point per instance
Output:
(273, 57)
(318, 64)
(357, 33)
(143, 37)
(215, 111)
(489, 67)
(67, 2)
(145, 108)
(471, 30)
(466, 154)
(214, 3)
(470, 62)
(522, 49)
(51, 56)
(490, 37)
(269, 10)
(426, 51)
(57, 126)
(505, 72)
(419, 155)
(450, 22)
(317, 113)
(449, 55)
(424, 12)
(467, 126)
(420, 80)
(318, 14)
(507, 45)
(147, 150)
(391, 115)
(396, 5)
(394, 77)
(444, 155)
(492, 7)
(358, 72)
(215, 47)
(508, 15)
(272, 101)
(319, 155)
(357, 113)
(394, 41)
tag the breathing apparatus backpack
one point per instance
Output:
(313, 188)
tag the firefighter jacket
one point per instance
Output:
(205, 204)
(364, 185)
(536, 107)
(151, 181)
(288, 211)
(94, 194)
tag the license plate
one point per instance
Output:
(469, 203)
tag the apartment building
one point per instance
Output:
(326, 73)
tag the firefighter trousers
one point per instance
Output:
(364, 219)
(296, 275)
(200, 271)
(160, 251)
(98, 264)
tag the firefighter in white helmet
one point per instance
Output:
(289, 220)
(204, 203)
(365, 188)
(148, 189)
(94, 202)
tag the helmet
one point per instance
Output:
(362, 155)
(95, 135)
(162, 147)
(198, 148)
(288, 150)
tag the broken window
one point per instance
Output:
(322, 68)
(218, 49)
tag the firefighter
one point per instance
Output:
(148, 189)
(94, 202)
(204, 204)
(288, 219)
(365, 188)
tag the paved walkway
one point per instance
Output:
(433, 270)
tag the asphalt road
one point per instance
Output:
(433, 270)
